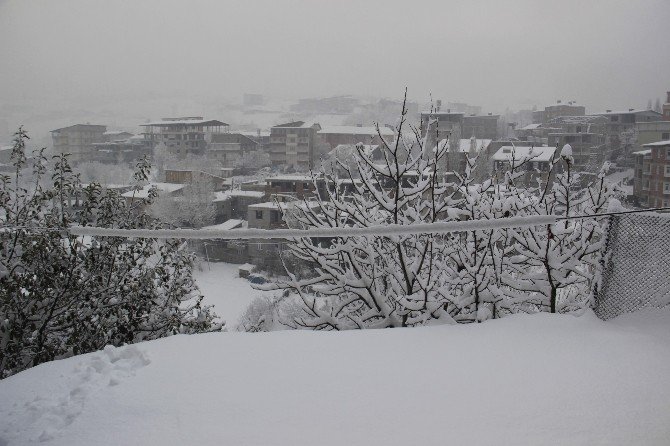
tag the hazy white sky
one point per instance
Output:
(606, 53)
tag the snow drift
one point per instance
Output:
(540, 379)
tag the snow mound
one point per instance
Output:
(48, 414)
(522, 380)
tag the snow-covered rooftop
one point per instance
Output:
(233, 223)
(520, 153)
(162, 187)
(226, 195)
(531, 127)
(464, 145)
(657, 144)
(355, 130)
(625, 112)
(289, 178)
(170, 122)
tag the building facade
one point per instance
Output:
(78, 140)
(651, 186)
(183, 136)
(294, 144)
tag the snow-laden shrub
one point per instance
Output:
(406, 280)
(62, 295)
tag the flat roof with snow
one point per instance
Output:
(657, 144)
(168, 123)
(517, 153)
(355, 130)
(162, 187)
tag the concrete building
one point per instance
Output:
(187, 176)
(448, 123)
(456, 159)
(294, 144)
(122, 151)
(336, 135)
(298, 186)
(533, 162)
(666, 107)
(480, 126)
(623, 120)
(78, 140)
(560, 109)
(235, 203)
(587, 148)
(651, 187)
(229, 148)
(648, 132)
(183, 136)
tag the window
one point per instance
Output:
(578, 129)
(667, 170)
(667, 154)
(666, 187)
(665, 136)
(259, 215)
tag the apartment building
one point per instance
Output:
(298, 186)
(78, 140)
(446, 123)
(294, 144)
(480, 126)
(533, 162)
(183, 136)
(623, 120)
(554, 111)
(651, 187)
(335, 135)
(648, 132)
(229, 148)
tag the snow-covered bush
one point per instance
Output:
(62, 295)
(405, 280)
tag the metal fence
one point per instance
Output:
(636, 265)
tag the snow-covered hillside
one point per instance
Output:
(541, 379)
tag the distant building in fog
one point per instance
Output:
(252, 99)
(183, 136)
(559, 109)
(480, 126)
(335, 135)
(229, 148)
(294, 144)
(78, 140)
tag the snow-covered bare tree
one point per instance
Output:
(404, 280)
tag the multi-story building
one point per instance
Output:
(559, 109)
(651, 187)
(78, 140)
(588, 149)
(229, 148)
(447, 123)
(480, 126)
(335, 135)
(122, 151)
(533, 162)
(298, 186)
(620, 121)
(654, 131)
(294, 144)
(183, 136)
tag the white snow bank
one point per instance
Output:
(522, 380)
(222, 287)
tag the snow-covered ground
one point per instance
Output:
(222, 287)
(522, 380)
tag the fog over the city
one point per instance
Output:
(600, 53)
(97, 55)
